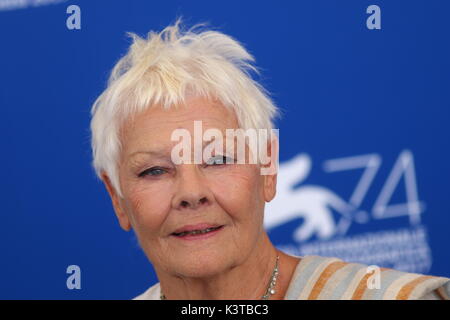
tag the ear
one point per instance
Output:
(269, 170)
(124, 221)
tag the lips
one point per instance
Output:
(198, 229)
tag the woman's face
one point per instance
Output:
(160, 197)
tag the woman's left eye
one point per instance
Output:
(219, 160)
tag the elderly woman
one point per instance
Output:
(200, 223)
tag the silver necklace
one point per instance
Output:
(270, 288)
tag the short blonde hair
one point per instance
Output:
(163, 69)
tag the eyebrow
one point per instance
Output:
(158, 153)
(162, 153)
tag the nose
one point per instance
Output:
(191, 190)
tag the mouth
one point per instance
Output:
(197, 233)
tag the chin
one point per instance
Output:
(201, 267)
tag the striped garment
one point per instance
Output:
(324, 278)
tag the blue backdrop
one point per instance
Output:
(364, 171)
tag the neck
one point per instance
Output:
(247, 280)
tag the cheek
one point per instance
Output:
(239, 192)
(148, 204)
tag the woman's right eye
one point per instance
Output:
(155, 171)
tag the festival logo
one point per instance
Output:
(7, 5)
(325, 223)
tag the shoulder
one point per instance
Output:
(330, 278)
(152, 293)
